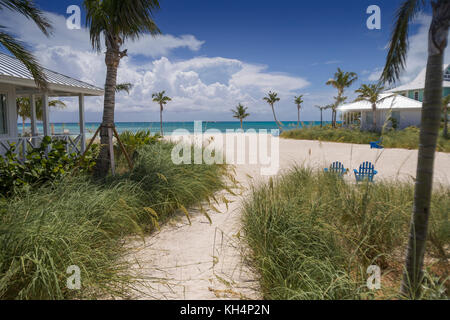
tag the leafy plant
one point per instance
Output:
(132, 141)
(48, 162)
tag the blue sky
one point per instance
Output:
(215, 54)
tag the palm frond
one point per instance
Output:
(298, 101)
(120, 87)
(29, 10)
(398, 45)
(18, 49)
(446, 100)
(240, 112)
(160, 97)
(120, 20)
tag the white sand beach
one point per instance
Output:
(205, 261)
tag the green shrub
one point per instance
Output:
(39, 167)
(132, 141)
(313, 235)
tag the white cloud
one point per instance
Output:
(201, 87)
(146, 45)
(375, 74)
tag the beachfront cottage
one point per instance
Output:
(16, 81)
(401, 110)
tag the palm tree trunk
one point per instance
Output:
(23, 126)
(112, 63)
(275, 117)
(298, 117)
(242, 127)
(160, 118)
(429, 131)
(332, 118)
(321, 121)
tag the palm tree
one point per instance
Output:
(372, 94)
(17, 48)
(24, 109)
(240, 113)
(124, 87)
(341, 81)
(321, 108)
(115, 21)
(271, 99)
(298, 101)
(429, 131)
(162, 100)
(445, 103)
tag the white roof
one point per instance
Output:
(419, 82)
(391, 102)
(13, 71)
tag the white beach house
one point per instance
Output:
(404, 105)
(16, 81)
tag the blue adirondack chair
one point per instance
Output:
(366, 172)
(376, 144)
(336, 167)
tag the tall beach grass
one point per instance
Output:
(313, 235)
(78, 221)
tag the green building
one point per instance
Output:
(414, 90)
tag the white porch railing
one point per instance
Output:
(25, 144)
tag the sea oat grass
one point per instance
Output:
(78, 221)
(313, 235)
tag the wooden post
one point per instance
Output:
(34, 130)
(130, 164)
(82, 123)
(45, 114)
(111, 151)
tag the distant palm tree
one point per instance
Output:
(298, 101)
(115, 21)
(372, 94)
(321, 108)
(160, 98)
(29, 10)
(340, 81)
(240, 113)
(429, 129)
(24, 108)
(271, 99)
(445, 103)
(124, 87)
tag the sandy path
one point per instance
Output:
(205, 261)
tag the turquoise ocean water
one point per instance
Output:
(170, 127)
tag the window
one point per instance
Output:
(3, 128)
(447, 75)
(416, 95)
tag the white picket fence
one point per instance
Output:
(26, 144)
